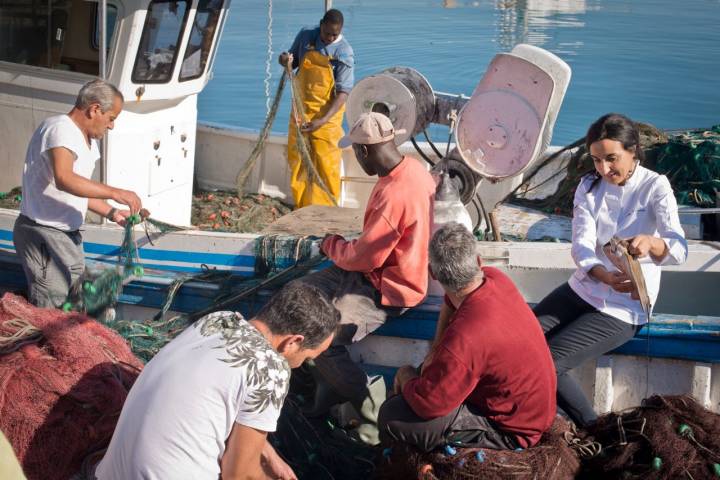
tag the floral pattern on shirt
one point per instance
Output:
(268, 373)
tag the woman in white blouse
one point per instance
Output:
(594, 312)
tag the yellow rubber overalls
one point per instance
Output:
(316, 87)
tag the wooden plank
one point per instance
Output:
(318, 220)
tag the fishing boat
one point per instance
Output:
(160, 54)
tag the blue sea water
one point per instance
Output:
(656, 61)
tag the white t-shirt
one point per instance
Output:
(41, 200)
(181, 410)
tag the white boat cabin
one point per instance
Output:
(159, 54)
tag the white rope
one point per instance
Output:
(268, 59)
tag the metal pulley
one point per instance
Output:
(400, 93)
(466, 181)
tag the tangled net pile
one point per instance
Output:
(318, 450)
(100, 289)
(667, 437)
(278, 259)
(63, 381)
(226, 211)
(552, 459)
(691, 161)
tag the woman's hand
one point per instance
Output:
(644, 245)
(640, 245)
(618, 281)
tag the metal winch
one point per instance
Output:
(498, 131)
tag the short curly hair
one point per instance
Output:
(301, 309)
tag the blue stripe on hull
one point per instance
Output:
(692, 338)
(195, 259)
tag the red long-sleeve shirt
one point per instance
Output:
(493, 355)
(392, 250)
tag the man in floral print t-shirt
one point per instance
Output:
(203, 406)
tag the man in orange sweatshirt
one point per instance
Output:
(379, 274)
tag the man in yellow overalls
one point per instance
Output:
(324, 78)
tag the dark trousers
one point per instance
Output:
(463, 427)
(576, 332)
(358, 302)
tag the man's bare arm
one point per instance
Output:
(241, 460)
(69, 181)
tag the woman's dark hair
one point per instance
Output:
(301, 309)
(333, 17)
(618, 127)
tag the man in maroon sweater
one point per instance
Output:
(489, 379)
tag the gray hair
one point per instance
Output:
(100, 92)
(453, 257)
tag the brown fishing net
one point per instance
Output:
(668, 437)
(553, 458)
(224, 211)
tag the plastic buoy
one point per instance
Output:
(67, 306)
(684, 429)
(716, 469)
(138, 271)
(387, 452)
(480, 456)
(450, 450)
(89, 287)
(657, 463)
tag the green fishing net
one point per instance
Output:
(691, 161)
(278, 259)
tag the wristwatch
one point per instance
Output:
(111, 214)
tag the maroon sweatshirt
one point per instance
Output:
(492, 355)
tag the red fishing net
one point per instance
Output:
(62, 386)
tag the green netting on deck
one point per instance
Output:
(691, 161)
(278, 259)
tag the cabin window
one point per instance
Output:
(160, 40)
(201, 39)
(111, 17)
(56, 34)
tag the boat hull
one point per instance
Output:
(678, 353)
